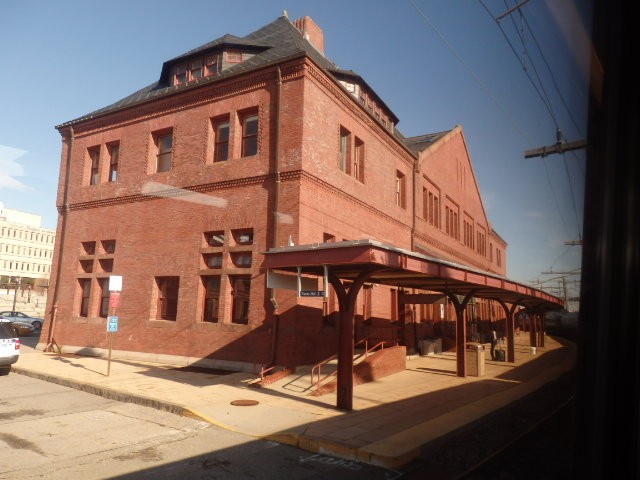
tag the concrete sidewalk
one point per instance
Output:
(393, 419)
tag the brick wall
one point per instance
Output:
(161, 235)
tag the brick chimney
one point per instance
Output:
(311, 31)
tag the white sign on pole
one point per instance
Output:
(112, 324)
(115, 283)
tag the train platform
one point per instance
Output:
(394, 420)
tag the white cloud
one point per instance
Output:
(9, 168)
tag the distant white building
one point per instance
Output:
(26, 248)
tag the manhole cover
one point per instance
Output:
(244, 403)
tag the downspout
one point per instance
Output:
(416, 171)
(64, 211)
(276, 207)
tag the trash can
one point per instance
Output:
(474, 357)
(430, 346)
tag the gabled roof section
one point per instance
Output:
(421, 142)
(278, 41)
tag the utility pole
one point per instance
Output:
(560, 146)
(575, 272)
(563, 288)
(511, 10)
(15, 293)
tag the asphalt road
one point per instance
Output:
(54, 432)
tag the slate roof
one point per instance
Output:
(277, 41)
(421, 142)
(273, 43)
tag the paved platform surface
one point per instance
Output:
(394, 419)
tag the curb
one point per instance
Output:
(104, 392)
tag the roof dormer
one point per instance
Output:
(209, 60)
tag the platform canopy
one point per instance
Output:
(348, 265)
(401, 268)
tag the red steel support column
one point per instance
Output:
(533, 329)
(542, 330)
(509, 312)
(461, 330)
(347, 305)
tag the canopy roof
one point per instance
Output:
(402, 268)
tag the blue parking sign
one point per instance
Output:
(112, 324)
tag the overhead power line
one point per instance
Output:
(542, 94)
(470, 70)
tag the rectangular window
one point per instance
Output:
(211, 64)
(481, 245)
(425, 204)
(400, 189)
(452, 226)
(164, 148)
(345, 149)
(85, 288)
(241, 287)
(358, 161)
(250, 136)
(94, 156)
(467, 227)
(234, 56)
(196, 69)
(221, 141)
(168, 288)
(104, 297)
(114, 157)
(211, 298)
(181, 74)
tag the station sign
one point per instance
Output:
(312, 293)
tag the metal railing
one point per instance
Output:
(316, 371)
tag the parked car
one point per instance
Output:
(23, 328)
(9, 347)
(21, 317)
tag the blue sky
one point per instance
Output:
(435, 63)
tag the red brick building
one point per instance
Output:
(244, 144)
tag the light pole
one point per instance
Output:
(15, 293)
